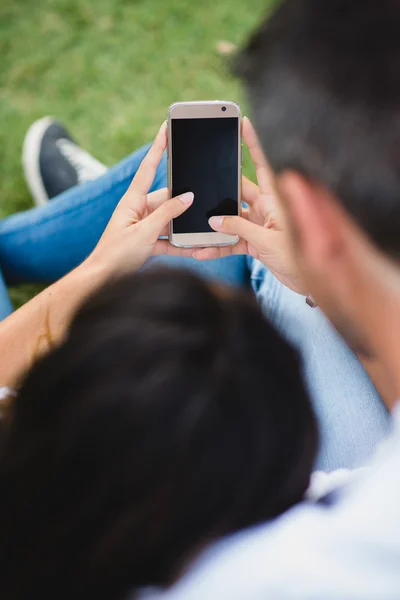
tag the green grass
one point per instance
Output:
(109, 69)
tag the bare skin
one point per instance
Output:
(129, 240)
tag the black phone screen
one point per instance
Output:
(205, 161)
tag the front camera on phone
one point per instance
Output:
(223, 108)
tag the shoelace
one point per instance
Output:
(86, 167)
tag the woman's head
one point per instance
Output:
(171, 415)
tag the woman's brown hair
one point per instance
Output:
(169, 417)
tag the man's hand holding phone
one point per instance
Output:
(132, 235)
(259, 227)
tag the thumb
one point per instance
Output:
(159, 219)
(252, 233)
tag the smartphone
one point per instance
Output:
(204, 157)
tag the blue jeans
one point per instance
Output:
(43, 244)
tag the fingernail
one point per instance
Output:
(187, 198)
(216, 222)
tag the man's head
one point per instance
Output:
(323, 79)
(172, 414)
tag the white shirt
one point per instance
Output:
(350, 551)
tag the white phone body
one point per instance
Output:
(216, 109)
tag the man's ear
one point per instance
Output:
(316, 218)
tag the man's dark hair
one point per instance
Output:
(324, 82)
(172, 414)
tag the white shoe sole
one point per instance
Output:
(30, 159)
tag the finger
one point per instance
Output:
(252, 233)
(250, 191)
(263, 170)
(155, 199)
(273, 221)
(154, 224)
(244, 214)
(144, 177)
(141, 205)
(212, 253)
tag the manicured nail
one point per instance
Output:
(216, 222)
(187, 198)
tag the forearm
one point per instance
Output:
(41, 323)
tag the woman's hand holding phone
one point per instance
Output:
(131, 236)
(139, 219)
(259, 227)
(129, 239)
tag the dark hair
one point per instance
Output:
(172, 414)
(323, 79)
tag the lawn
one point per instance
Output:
(109, 69)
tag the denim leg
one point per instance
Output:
(231, 270)
(45, 243)
(352, 417)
